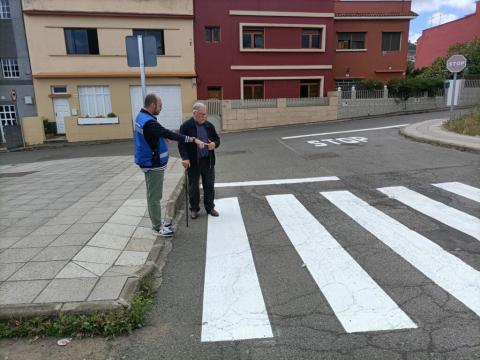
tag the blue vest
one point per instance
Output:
(145, 156)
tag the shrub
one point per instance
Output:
(370, 84)
(406, 88)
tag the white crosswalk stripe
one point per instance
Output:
(459, 279)
(233, 303)
(233, 306)
(454, 218)
(458, 188)
(358, 301)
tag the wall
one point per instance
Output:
(435, 41)
(33, 132)
(119, 95)
(243, 119)
(373, 63)
(125, 6)
(76, 133)
(214, 60)
(348, 108)
(48, 54)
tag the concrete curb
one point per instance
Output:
(51, 310)
(440, 137)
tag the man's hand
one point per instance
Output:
(186, 164)
(210, 145)
(200, 143)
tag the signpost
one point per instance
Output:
(455, 64)
(141, 52)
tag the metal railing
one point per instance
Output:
(472, 83)
(311, 101)
(369, 94)
(214, 106)
(255, 103)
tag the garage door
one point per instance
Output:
(171, 114)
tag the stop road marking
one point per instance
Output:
(338, 141)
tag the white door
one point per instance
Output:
(171, 114)
(62, 109)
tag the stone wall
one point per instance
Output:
(259, 117)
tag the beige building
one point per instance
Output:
(79, 63)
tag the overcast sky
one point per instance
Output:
(435, 12)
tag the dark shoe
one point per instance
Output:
(194, 215)
(214, 213)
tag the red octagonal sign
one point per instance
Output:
(456, 63)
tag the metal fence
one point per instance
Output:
(214, 106)
(312, 101)
(369, 94)
(255, 103)
(472, 83)
(384, 93)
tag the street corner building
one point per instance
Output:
(79, 65)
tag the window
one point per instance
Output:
(212, 34)
(81, 41)
(158, 37)
(8, 116)
(4, 9)
(214, 92)
(253, 90)
(311, 38)
(59, 89)
(253, 38)
(94, 101)
(354, 40)
(309, 88)
(10, 68)
(391, 41)
(346, 84)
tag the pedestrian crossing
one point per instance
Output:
(234, 305)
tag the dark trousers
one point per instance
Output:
(201, 169)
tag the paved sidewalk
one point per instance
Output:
(432, 131)
(75, 234)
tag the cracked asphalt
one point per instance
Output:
(303, 323)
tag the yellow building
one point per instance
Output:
(79, 63)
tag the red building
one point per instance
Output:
(435, 41)
(263, 49)
(371, 40)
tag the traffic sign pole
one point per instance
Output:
(455, 64)
(142, 67)
(453, 95)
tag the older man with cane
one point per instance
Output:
(200, 163)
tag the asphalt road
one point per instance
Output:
(435, 319)
(302, 322)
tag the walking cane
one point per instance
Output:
(186, 194)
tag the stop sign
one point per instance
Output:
(456, 63)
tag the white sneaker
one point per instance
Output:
(164, 231)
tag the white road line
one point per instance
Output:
(344, 132)
(450, 216)
(233, 306)
(459, 279)
(358, 301)
(277, 181)
(461, 189)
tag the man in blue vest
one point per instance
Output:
(151, 154)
